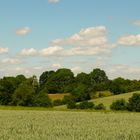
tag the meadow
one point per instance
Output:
(67, 125)
(107, 101)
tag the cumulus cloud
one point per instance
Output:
(23, 31)
(4, 50)
(12, 61)
(51, 51)
(54, 1)
(130, 40)
(122, 70)
(29, 52)
(93, 36)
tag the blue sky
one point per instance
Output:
(39, 35)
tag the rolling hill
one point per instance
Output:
(107, 101)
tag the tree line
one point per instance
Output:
(23, 91)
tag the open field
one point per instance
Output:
(61, 125)
(58, 96)
(107, 101)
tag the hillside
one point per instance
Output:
(107, 101)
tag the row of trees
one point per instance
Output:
(24, 91)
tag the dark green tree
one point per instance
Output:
(134, 103)
(60, 81)
(44, 77)
(119, 105)
(81, 93)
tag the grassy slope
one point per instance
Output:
(107, 101)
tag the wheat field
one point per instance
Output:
(65, 125)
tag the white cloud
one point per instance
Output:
(130, 40)
(4, 50)
(23, 31)
(126, 71)
(10, 61)
(93, 36)
(29, 52)
(137, 22)
(51, 51)
(56, 66)
(53, 1)
(76, 69)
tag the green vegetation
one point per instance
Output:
(119, 105)
(61, 125)
(107, 101)
(31, 92)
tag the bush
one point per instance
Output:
(57, 102)
(119, 105)
(85, 105)
(100, 107)
(71, 104)
(134, 103)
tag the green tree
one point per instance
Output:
(44, 77)
(134, 103)
(83, 78)
(7, 88)
(81, 93)
(98, 76)
(118, 86)
(42, 99)
(60, 81)
(25, 92)
(119, 105)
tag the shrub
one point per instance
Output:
(71, 104)
(100, 107)
(57, 102)
(134, 103)
(119, 105)
(85, 105)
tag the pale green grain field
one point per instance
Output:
(66, 125)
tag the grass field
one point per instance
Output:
(57, 96)
(107, 101)
(61, 125)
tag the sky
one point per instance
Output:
(41, 35)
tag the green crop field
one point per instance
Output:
(65, 125)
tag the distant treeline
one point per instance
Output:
(24, 91)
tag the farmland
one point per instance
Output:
(61, 125)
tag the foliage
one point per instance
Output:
(42, 100)
(85, 105)
(60, 81)
(71, 104)
(81, 93)
(44, 77)
(100, 107)
(134, 103)
(119, 105)
(57, 102)
(23, 95)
